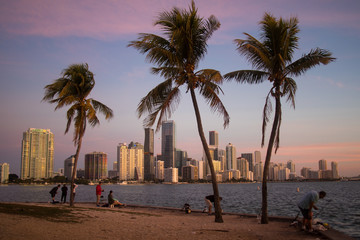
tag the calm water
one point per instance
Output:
(340, 208)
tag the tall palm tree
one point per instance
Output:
(272, 58)
(176, 56)
(73, 89)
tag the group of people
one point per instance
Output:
(306, 204)
(111, 200)
(64, 190)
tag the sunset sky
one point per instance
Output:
(40, 38)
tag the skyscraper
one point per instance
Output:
(37, 154)
(230, 157)
(322, 165)
(214, 138)
(291, 165)
(69, 164)
(250, 158)
(335, 170)
(130, 161)
(149, 168)
(168, 143)
(96, 165)
(257, 156)
(4, 172)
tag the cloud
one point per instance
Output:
(114, 19)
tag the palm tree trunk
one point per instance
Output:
(74, 170)
(218, 216)
(274, 132)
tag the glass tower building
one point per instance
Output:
(37, 154)
(168, 144)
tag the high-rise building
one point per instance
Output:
(257, 156)
(190, 173)
(149, 168)
(180, 159)
(4, 172)
(159, 170)
(243, 167)
(291, 166)
(37, 154)
(96, 165)
(69, 164)
(322, 165)
(214, 139)
(335, 170)
(168, 143)
(171, 175)
(230, 157)
(130, 161)
(250, 158)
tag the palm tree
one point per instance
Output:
(176, 56)
(272, 58)
(73, 88)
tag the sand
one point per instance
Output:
(145, 223)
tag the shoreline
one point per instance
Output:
(151, 222)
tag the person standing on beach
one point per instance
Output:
(209, 200)
(306, 204)
(98, 194)
(53, 192)
(64, 190)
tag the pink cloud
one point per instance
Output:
(115, 19)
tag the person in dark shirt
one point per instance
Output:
(53, 192)
(64, 190)
(209, 200)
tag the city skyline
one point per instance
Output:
(40, 39)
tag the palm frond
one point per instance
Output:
(313, 58)
(289, 88)
(247, 76)
(102, 108)
(210, 91)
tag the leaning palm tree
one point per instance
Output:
(176, 56)
(73, 89)
(272, 58)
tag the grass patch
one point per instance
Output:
(54, 214)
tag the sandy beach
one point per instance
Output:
(133, 222)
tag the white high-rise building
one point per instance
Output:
(230, 157)
(335, 170)
(257, 156)
(4, 172)
(291, 166)
(243, 167)
(37, 154)
(130, 161)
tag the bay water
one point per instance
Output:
(340, 208)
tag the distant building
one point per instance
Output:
(230, 157)
(243, 167)
(291, 166)
(149, 167)
(257, 156)
(171, 175)
(37, 154)
(69, 164)
(80, 173)
(159, 170)
(96, 165)
(250, 158)
(130, 161)
(335, 170)
(168, 143)
(305, 172)
(214, 139)
(4, 172)
(180, 159)
(322, 165)
(190, 172)
(112, 173)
